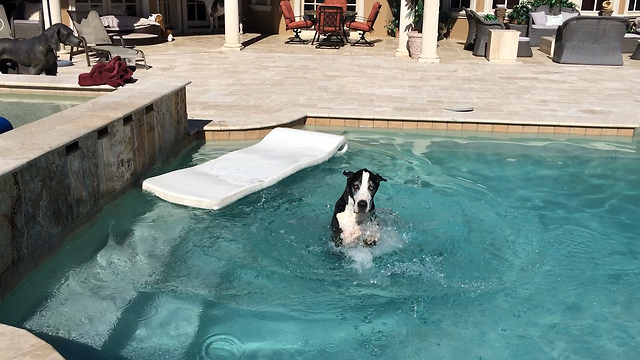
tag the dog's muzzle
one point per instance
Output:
(362, 206)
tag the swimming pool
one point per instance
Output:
(21, 108)
(492, 249)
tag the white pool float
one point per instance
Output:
(219, 182)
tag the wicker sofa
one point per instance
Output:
(538, 29)
(590, 40)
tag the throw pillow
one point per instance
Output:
(538, 17)
(554, 20)
(568, 15)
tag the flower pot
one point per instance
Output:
(414, 44)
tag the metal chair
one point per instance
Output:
(292, 24)
(365, 26)
(330, 25)
(95, 39)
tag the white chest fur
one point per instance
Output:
(350, 222)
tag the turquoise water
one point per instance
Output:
(21, 109)
(490, 249)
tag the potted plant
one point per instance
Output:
(519, 17)
(392, 27)
(414, 43)
(393, 24)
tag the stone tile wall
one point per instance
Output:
(45, 198)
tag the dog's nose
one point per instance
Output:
(362, 205)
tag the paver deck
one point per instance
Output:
(270, 81)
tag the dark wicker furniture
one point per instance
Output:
(590, 40)
(536, 31)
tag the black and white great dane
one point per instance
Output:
(355, 208)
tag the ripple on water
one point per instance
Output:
(221, 347)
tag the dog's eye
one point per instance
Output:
(356, 187)
(371, 187)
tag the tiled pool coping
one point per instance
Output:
(454, 128)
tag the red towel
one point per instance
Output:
(113, 73)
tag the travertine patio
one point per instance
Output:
(270, 83)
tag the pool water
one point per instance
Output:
(490, 249)
(21, 109)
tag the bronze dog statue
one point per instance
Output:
(37, 53)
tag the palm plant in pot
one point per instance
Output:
(414, 43)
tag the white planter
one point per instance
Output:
(414, 44)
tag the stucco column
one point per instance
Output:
(231, 26)
(51, 12)
(430, 32)
(403, 28)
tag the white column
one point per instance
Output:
(430, 32)
(231, 26)
(51, 12)
(403, 28)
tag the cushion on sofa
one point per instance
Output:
(553, 20)
(539, 17)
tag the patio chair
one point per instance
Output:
(95, 39)
(27, 20)
(471, 34)
(365, 26)
(5, 30)
(590, 40)
(482, 32)
(292, 24)
(330, 25)
(341, 3)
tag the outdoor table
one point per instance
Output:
(347, 15)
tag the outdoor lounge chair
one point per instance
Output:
(27, 19)
(471, 34)
(292, 24)
(482, 32)
(95, 39)
(365, 26)
(590, 40)
(330, 25)
(5, 30)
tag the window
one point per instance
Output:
(123, 7)
(591, 5)
(313, 4)
(103, 7)
(634, 5)
(459, 4)
(84, 6)
(509, 3)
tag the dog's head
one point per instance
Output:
(62, 34)
(362, 185)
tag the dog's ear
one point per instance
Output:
(379, 178)
(347, 173)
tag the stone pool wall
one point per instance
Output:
(58, 172)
